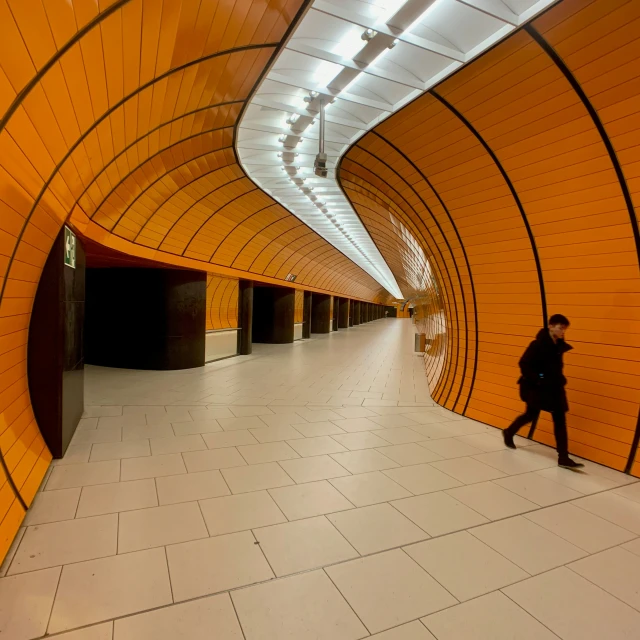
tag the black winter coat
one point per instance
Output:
(542, 382)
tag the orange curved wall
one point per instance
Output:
(119, 118)
(519, 177)
(222, 302)
(298, 312)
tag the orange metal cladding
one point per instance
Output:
(222, 302)
(298, 315)
(122, 113)
(519, 176)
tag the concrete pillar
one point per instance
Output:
(306, 315)
(356, 313)
(320, 313)
(273, 314)
(245, 317)
(56, 351)
(343, 313)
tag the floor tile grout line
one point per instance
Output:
(53, 601)
(527, 513)
(506, 595)
(431, 537)
(597, 586)
(166, 559)
(337, 588)
(266, 559)
(235, 611)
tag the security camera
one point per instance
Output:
(320, 165)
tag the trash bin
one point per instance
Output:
(421, 342)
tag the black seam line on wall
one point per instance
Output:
(160, 177)
(226, 296)
(451, 372)
(206, 174)
(284, 233)
(222, 296)
(553, 54)
(145, 189)
(103, 117)
(150, 159)
(466, 259)
(443, 381)
(3, 123)
(182, 214)
(330, 272)
(374, 224)
(236, 226)
(338, 170)
(383, 240)
(28, 88)
(294, 252)
(514, 193)
(160, 126)
(253, 237)
(322, 248)
(358, 189)
(389, 244)
(215, 212)
(309, 256)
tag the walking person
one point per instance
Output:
(542, 386)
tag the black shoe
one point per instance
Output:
(508, 439)
(568, 463)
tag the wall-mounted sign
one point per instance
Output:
(290, 278)
(69, 248)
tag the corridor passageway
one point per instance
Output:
(313, 490)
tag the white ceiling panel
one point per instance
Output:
(364, 61)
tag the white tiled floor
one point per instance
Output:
(313, 490)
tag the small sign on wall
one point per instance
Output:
(69, 248)
(290, 278)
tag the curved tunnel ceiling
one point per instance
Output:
(119, 118)
(159, 173)
(364, 60)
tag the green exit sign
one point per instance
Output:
(69, 248)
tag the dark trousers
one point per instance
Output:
(559, 427)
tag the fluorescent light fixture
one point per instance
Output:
(368, 34)
(424, 14)
(389, 9)
(325, 72)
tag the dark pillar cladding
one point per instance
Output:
(343, 313)
(306, 315)
(273, 314)
(351, 312)
(336, 311)
(320, 313)
(245, 317)
(140, 318)
(356, 312)
(55, 353)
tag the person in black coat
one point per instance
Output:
(542, 386)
